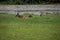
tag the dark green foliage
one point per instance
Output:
(30, 1)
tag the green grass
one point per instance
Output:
(36, 28)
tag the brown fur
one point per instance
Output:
(20, 16)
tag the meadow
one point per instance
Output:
(46, 27)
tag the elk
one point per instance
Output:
(20, 16)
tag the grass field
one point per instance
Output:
(36, 28)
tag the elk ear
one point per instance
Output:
(17, 14)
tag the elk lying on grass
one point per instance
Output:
(20, 16)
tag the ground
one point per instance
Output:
(46, 27)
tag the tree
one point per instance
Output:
(30, 1)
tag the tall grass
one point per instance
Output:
(45, 27)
